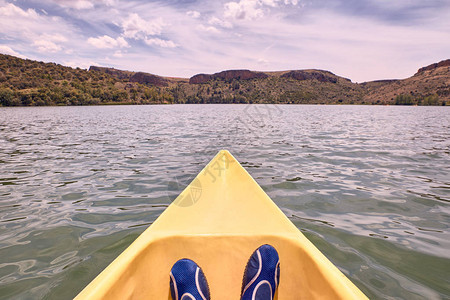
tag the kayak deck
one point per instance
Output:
(218, 221)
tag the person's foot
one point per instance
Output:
(188, 282)
(262, 274)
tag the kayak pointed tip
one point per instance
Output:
(224, 157)
(224, 151)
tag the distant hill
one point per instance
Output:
(429, 86)
(244, 86)
(27, 82)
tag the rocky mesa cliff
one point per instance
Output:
(227, 76)
(139, 77)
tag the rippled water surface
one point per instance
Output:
(368, 185)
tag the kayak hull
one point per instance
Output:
(218, 221)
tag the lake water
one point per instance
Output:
(368, 185)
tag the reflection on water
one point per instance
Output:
(369, 186)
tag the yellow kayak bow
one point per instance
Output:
(218, 221)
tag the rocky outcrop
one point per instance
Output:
(239, 75)
(379, 83)
(444, 63)
(200, 78)
(113, 72)
(139, 77)
(227, 76)
(310, 75)
(146, 78)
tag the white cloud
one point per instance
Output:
(218, 22)
(160, 43)
(75, 4)
(137, 28)
(118, 54)
(49, 42)
(272, 3)
(46, 46)
(193, 14)
(8, 50)
(109, 2)
(10, 10)
(243, 10)
(210, 29)
(107, 42)
(83, 4)
(34, 30)
(251, 9)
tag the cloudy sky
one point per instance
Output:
(359, 39)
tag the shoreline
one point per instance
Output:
(262, 103)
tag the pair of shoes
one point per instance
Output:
(261, 277)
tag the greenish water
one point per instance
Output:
(368, 185)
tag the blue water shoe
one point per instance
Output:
(188, 282)
(262, 274)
